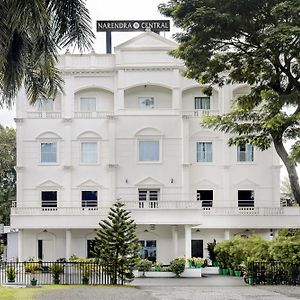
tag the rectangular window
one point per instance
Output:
(89, 198)
(49, 199)
(245, 198)
(245, 153)
(148, 198)
(202, 102)
(148, 150)
(89, 153)
(146, 102)
(148, 250)
(206, 197)
(48, 152)
(204, 152)
(45, 104)
(87, 104)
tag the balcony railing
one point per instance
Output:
(92, 114)
(44, 114)
(160, 205)
(200, 112)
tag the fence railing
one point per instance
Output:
(274, 272)
(43, 272)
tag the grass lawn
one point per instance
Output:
(27, 293)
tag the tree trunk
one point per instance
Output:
(290, 167)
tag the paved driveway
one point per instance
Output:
(206, 288)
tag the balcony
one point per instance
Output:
(160, 205)
(92, 114)
(199, 112)
(43, 114)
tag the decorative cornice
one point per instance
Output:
(111, 117)
(19, 168)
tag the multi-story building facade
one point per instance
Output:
(128, 127)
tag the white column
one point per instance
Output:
(188, 241)
(175, 240)
(68, 98)
(66, 198)
(226, 234)
(112, 156)
(176, 99)
(185, 134)
(20, 245)
(19, 167)
(68, 243)
(119, 91)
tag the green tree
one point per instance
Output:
(254, 42)
(31, 33)
(286, 192)
(116, 245)
(7, 172)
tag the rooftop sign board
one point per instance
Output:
(140, 25)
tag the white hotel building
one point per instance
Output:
(128, 127)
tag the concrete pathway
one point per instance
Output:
(205, 288)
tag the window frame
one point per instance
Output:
(202, 98)
(150, 202)
(212, 152)
(81, 162)
(241, 200)
(39, 104)
(41, 198)
(238, 154)
(85, 98)
(57, 153)
(206, 200)
(146, 139)
(145, 98)
(89, 190)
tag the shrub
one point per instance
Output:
(11, 273)
(144, 265)
(211, 251)
(177, 265)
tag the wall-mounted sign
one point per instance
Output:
(153, 25)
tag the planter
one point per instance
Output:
(85, 280)
(251, 280)
(238, 273)
(33, 282)
(56, 280)
(231, 272)
(197, 266)
(10, 280)
(215, 263)
(225, 272)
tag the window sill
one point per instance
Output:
(149, 162)
(48, 164)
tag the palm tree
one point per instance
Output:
(31, 34)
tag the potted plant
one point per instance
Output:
(56, 269)
(144, 265)
(177, 265)
(86, 268)
(212, 254)
(33, 267)
(11, 273)
(157, 266)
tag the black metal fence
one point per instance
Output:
(55, 272)
(273, 272)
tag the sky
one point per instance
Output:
(114, 10)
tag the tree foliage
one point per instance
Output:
(7, 171)
(116, 245)
(254, 42)
(31, 32)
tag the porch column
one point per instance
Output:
(20, 245)
(188, 241)
(226, 234)
(68, 243)
(175, 240)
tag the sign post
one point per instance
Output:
(123, 25)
